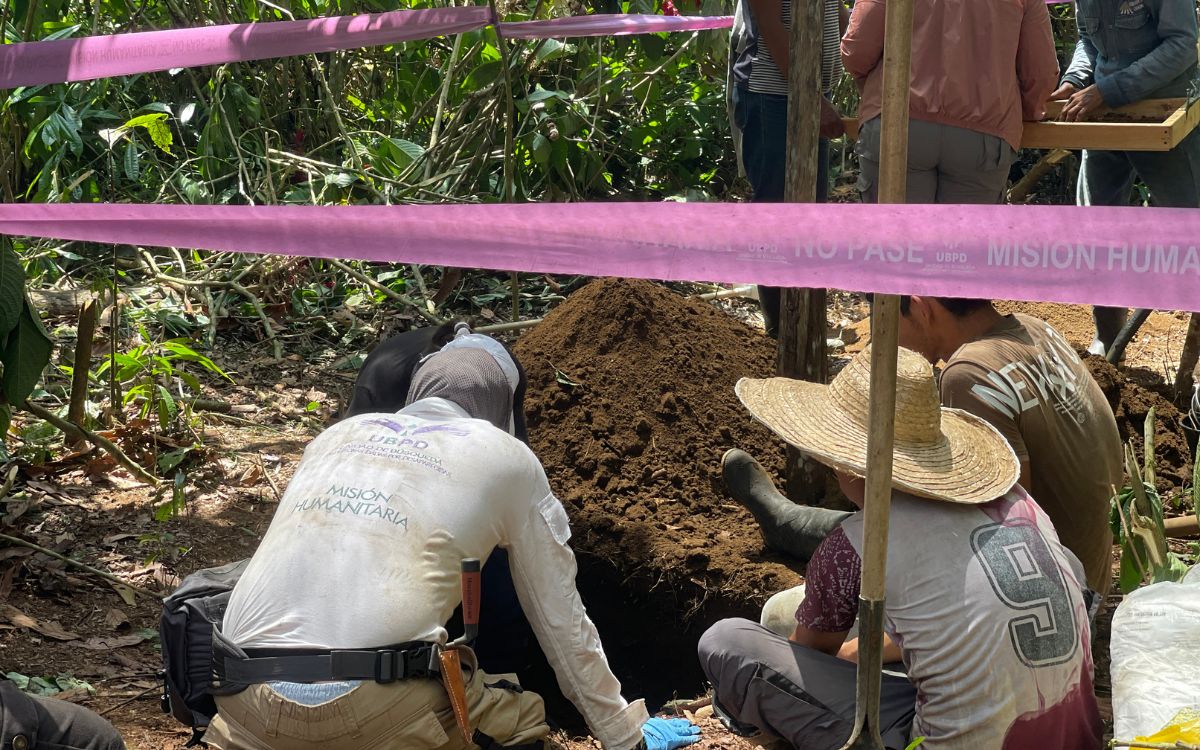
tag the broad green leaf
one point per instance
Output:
(540, 94)
(167, 409)
(541, 149)
(190, 381)
(26, 354)
(5, 422)
(409, 149)
(12, 288)
(156, 125)
(340, 179)
(52, 130)
(142, 390)
(1176, 569)
(71, 117)
(168, 461)
(160, 133)
(552, 49)
(67, 682)
(482, 76)
(61, 33)
(196, 192)
(182, 350)
(132, 162)
(1148, 447)
(1130, 577)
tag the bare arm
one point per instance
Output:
(891, 652)
(827, 643)
(768, 14)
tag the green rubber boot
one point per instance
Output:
(786, 527)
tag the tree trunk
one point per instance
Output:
(802, 311)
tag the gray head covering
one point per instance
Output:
(470, 378)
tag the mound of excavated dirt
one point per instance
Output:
(1132, 393)
(630, 407)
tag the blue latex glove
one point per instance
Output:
(669, 734)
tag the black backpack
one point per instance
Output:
(188, 619)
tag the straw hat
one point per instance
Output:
(941, 454)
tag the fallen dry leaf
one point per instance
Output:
(10, 552)
(109, 642)
(7, 577)
(50, 629)
(125, 593)
(250, 476)
(122, 480)
(115, 619)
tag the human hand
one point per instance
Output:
(1063, 92)
(1082, 104)
(831, 121)
(849, 651)
(669, 734)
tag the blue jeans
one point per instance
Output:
(1106, 179)
(762, 118)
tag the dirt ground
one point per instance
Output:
(630, 407)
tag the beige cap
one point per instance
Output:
(941, 454)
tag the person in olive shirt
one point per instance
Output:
(1017, 373)
(1130, 50)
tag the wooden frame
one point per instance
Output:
(1157, 125)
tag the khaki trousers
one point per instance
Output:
(403, 715)
(945, 164)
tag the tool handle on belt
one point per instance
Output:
(470, 598)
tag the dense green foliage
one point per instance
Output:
(415, 122)
(637, 117)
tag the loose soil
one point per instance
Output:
(631, 406)
(1132, 394)
(1156, 347)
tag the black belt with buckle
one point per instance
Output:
(406, 661)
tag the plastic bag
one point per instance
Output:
(1184, 727)
(1155, 652)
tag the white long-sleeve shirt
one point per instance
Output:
(364, 550)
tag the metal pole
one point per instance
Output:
(885, 314)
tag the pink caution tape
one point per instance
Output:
(1136, 257)
(86, 58)
(611, 25)
(35, 63)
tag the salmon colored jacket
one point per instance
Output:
(985, 65)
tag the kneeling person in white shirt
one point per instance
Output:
(363, 554)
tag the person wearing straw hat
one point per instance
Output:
(984, 605)
(1019, 374)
